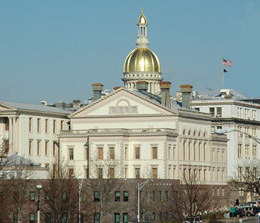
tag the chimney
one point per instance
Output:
(97, 89)
(165, 93)
(116, 88)
(141, 85)
(76, 104)
(186, 90)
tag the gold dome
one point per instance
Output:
(142, 59)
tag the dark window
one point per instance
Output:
(97, 217)
(31, 218)
(47, 197)
(166, 216)
(117, 196)
(125, 218)
(64, 218)
(160, 214)
(153, 216)
(32, 196)
(117, 218)
(64, 196)
(48, 218)
(153, 195)
(160, 195)
(15, 218)
(125, 199)
(166, 195)
(96, 196)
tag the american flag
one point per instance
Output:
(227, 62)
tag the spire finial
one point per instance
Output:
(142, 10)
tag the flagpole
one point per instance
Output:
(222, 67)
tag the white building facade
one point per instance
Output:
(237, 115)
(31, 131)
(128, 135)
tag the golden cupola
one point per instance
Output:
(142, 63)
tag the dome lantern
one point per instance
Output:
(142, 64)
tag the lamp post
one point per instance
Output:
(79, 191)
(223, 131)
(39, 187)
(139, 187)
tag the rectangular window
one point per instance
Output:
(169, 152)
(219, 112)
(38, 148)
(71, 172)
(137, 152)
(96, 196)
(125, 218)
(15, 218)
(137, 173)
(126, 152)
(100, 153)
(71, 154)
(111, 173)
(134, 109)
(254, 114)
(212, 111)
(86, 153)
(32, 196)
(31, 218)
(48, 218)
(247, 151)
(100, 173)
(87, 173)
(47, 197)
(54, 126)
(64, 218)
(54, 148)
(61, 125)
(117, 218)
(112, 153)
(46, 125)
(166, 195)
(254, 152)
(154, 152)
(6, 146)
(46, 148)
(153, 195)
(38, 125)
(240, 173)
(117, 196)
(154, 172)
(125, 196)
(30, 147)
(240, 151)
(30, 124)
(97, 217)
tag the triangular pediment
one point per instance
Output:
(4, 107)
(122, 102)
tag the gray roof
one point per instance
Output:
(33, 107)
(216, 95)
(16, 160)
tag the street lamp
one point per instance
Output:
(223, 131)
(79, 191)
(139, 187)
(39, 187)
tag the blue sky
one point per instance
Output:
(54, 50)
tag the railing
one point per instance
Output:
(121, 130)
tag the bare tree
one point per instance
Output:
(246, 183)
(60, 193)
(190, 198)
(15, 189)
